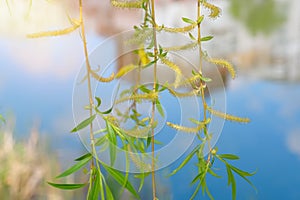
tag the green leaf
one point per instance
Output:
(112, 137)
(200, 19)
(205, 79)
(95, 188)
(213, 173)
(185, 161)
(67, 186)
(120, 178)
(109, 194)
(84, 123)
(83, 157)
(229, 156)
(187, 20)
(98, 101)
(231, 181)
(75, 167)
(207, 38)
(241, 172)
(192, 37)
(144, 89)
(100, 141)
(159, 108)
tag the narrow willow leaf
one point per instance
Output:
(84, 123)
(227, 116)
(241, 172)
(100, 141)
(54, 33)
(229, 156)
(109, 195)
(160, 109)
(210, 171)
(231, 181)
(119, 177)
(112, 144)
(98, 101)
(185, 161)
(67, 186)
(207, 38)
(187, 20)
(75, 167)
(94, 190)
(83, 157)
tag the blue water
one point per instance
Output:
(268, 145)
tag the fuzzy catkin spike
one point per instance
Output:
(225, 64)
(191, 45)
(138, 133)
(150, 96)
(184, 128)
(178, 29)
(54, 33)
(102, 79)
(179, 94)
(175, 68)
(126, 69)
(126, 4)
(143, 56)
(227, 116)
(137, 161)
(214, 10)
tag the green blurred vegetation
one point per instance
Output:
(259, 16)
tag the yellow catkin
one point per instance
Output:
(178, 29)
(150, 96)
(224, 64)
(143, 56)
(139, 37)
(179, 94)
(191, 45)
(127, 4)
(137, 161)
(227, 116)
(102, 79)
(138, 133)
(126, 69)
(214, 10)
(184, 128)
(54, 33)
(175, 68)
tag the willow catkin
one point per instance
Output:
(127, 4)
(214, 10)
(225, 64)
(185, 129)
(54, 33)
(227, 116)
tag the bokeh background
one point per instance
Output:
(260, 37)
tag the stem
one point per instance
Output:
(201, 82)
(91, 101)
(153, 102)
